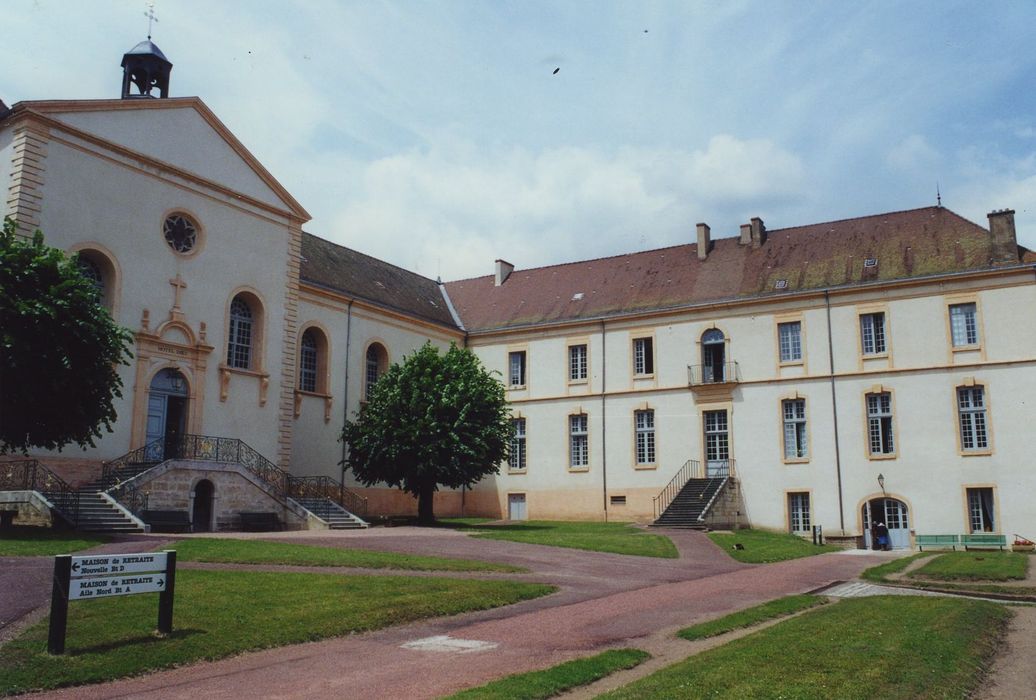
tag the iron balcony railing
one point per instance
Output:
(30, 475)
(725, 373)
(690, 470)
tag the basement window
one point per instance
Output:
(781, 284)
(618, 500)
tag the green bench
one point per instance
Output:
(984, 541)
(975, 541)
(940, 541)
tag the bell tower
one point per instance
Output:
(145, 67)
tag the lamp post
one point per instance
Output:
(881, 483)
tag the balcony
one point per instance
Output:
(705, 375)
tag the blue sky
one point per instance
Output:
(436, 135)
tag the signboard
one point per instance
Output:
(106, 575)
(119, 585)
(118, 564)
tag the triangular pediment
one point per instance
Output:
(181, 132)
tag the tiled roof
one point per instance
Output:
(905, 244)
(342, 269)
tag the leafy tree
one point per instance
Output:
(435, 420)
(59, 349)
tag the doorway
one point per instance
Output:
(201, 513)
(717, 443)
(893, 513)
(166, 415)
(713, 356)
(516, 506)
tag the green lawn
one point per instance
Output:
(222, 613)
(538, 685)
(975, 566)
(763, 546)
(616, 538)
(883, 647)
(878, 573)
(748, 617)
(44, 542)
(261, 552)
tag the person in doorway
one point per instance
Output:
(883, 537)
(874, 536)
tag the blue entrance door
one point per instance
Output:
(166, 414)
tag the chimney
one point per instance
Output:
(704, 243)
(746, 234)
(758, 232)
(503, 271)
(1002, 233)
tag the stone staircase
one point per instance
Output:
(99, 514)
(334, 515)
(691, 505)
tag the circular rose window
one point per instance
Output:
(180, 233)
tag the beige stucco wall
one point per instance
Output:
(316, 448)
(921, 369)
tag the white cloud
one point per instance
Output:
(453, 209)
(912, 154)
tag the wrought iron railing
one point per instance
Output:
(303, 487)
(718, 468)
(690, 470)
(133, 462)
(726, 372)
(30, 475)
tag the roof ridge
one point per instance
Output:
(869, 216)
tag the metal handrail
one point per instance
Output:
(725, 373)
(724, 467)
(327, 487)
(688, 471)
(30, 475)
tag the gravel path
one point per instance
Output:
(605, 600)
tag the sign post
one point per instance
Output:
(89, 577)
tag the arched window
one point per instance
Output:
(239, 339)
(308, 362)
(101, 270)
(376, 364)
(713, 356)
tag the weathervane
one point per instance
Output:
(150, 14)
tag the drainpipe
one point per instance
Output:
(345, 392)
(834, 411)
(604, 422)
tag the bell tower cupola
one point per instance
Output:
(145, 68)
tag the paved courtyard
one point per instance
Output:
(604, 600)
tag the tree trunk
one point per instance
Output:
(425, 515)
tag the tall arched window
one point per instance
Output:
(239, 339)
(308, 361)
(100, 268)
(92, 272)
(713, 356)
(376, 364)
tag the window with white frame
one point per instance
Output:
(645, 436)
(795, 443)
(308, 362)
(643, 356)
(578, 450)
(716, 426)
(798, 512)
(971, 406)
(576, 362)
(516, 460)
(879, 424)
(981, 516)
(963, 324)
(239, 343)
(375, 363)
(872, 333)
(516, 368)
(790, 337)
